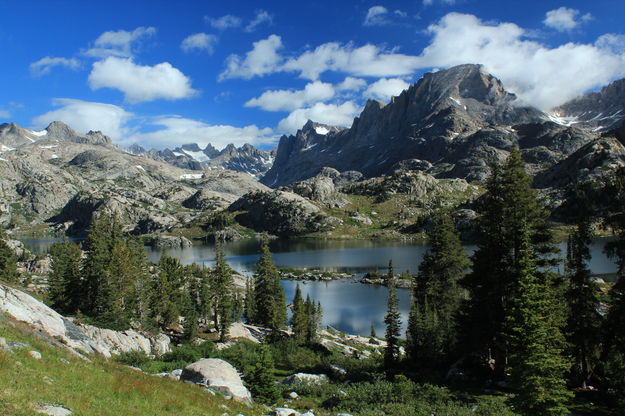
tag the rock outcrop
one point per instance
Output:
(217, 375)
(79, 338)
(279, 213)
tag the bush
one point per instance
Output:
(134, 358)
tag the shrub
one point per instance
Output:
(134, 358)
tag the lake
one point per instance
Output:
(347, 305)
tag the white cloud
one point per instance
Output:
(140, 83)
(224, 22)
(199, 42)
(84, 116)
(376, 16)
(4, 114)
(44, 65)
(262, 17)
(351, 84)
(368, 60)
(288, 100)
(332, 114)
(386, 88)
(261, 60)
(611, 42)
(564, 19)
(119, 42)
(175, 131)
(431, 2)
(541, 76)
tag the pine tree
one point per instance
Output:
(8, 261)
(167, 298)
(299, 317)
(584, 322)
(65, 278)
(436, 295)
(261, 380)
(373, 334)
(393, 326)
(509, 206)
(537, 365)
(250, 303)
(270, 303)
(223, 291)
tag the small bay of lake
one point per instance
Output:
(347, 305)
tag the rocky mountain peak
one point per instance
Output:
(192, 147)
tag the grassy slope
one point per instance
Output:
(99, 387)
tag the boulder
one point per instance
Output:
(217, 375)
(129, 340)
(170, 241)
(283, 411)
(304, 378)
(52, 409)
(35, 354)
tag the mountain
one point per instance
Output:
(451, 123)
(597, 111)
(63, 178)
(246, 158)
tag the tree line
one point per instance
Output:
(507, 311)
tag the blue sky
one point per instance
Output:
(164, 73)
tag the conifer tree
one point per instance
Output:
(250, 303)
(8, 261)
(167, 298)
(393, 326)
(261, 380)
(436, 297)
(223, 291)
(584, 322)
(299, 317)
(508, 207)
(270, 303)
(537, 365)
(65, 278)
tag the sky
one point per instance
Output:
(164, 73)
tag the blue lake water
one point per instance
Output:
(347, 305)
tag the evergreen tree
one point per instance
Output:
(537, 365)
(261, 380)
(299, 318)
(393, 326)
(8, 261)
(436, 297)
(584, 322)
(223, 292)
(250, 304)
(373, 334)
(65, 278)
(270, 303)
(508, 207)
(167, 298)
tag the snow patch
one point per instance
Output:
(52, 146)
(178, 154)
(563, 121)
(321, 130)
(192, 176)
(199, 156)
(54, 156)
(4, 148)
(456, 101)
(309, 147)
(4, 160)
(39, 133)
(140, 167)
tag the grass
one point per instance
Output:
(100, 387)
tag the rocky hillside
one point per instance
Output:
(62, 177)
(597, 111)
(451, 123)
(246, 158)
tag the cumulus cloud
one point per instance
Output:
(541, 76)
(376, 16)
(44, 65)
(262, 17)
(224, 22)
(332, 114)
(119, 42)
(351, 84)
(564, 19)
(202, 42)
(288, 100)
(140, 83)
(386, 88)
(4, 114)
(174, 131)
(261, 60)
(84, 116)
(431, 2)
